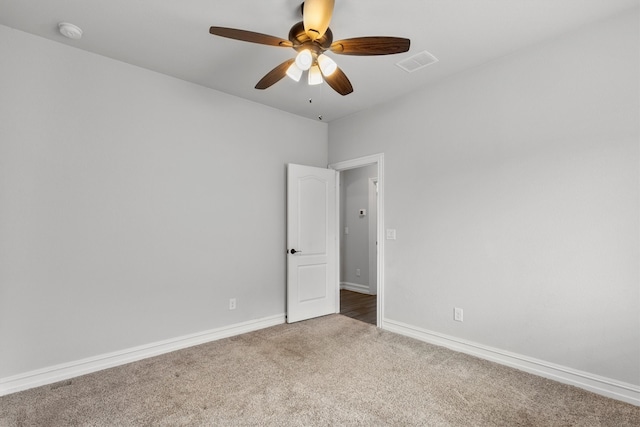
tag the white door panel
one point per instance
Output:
(312, 282)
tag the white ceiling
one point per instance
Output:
(172, 37)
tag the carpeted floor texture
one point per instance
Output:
(327, 371)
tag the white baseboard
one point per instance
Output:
(355, 287)
(601, 385)
(65, 371)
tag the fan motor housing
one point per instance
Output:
(298, 36)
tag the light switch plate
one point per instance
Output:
(391, 234)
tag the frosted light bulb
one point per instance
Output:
(294, 72)
(304, 60)
(315, 76)
(327, 65)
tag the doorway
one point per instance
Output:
(361, 249)
(358, 243)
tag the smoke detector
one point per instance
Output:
(69, 30)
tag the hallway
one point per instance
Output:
(358, 306)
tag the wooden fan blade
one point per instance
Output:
(249, 36)
(366, 46)
(275, 75)
(339, 82)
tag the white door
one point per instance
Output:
(312, 282)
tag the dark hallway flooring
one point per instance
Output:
(358, 306)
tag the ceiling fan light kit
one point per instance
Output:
(323, 66)
(311, 38)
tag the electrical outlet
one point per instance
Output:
(357, 272)
(232, 304)
(457, 314)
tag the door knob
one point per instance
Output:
(293, 251)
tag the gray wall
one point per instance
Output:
(354, 247)
(514, 189)
(133, 205)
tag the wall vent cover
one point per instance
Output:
(417, 61)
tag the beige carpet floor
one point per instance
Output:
(327, 371)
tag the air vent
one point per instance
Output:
(417, 61)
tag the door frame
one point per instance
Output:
(373, 233)
(374, 159)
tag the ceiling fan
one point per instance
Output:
(311, 38)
